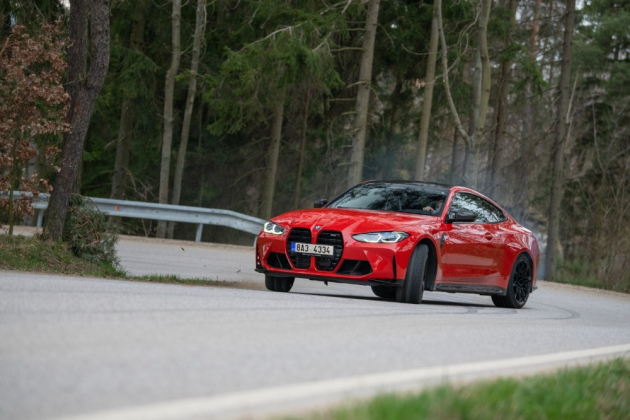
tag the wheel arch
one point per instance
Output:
(432, 263)
(531, 262)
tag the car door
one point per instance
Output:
(472, 251)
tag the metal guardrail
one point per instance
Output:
(154, 211)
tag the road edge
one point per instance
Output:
(277, 400)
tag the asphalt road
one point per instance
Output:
(107, 349)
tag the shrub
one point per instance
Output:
(89, 234)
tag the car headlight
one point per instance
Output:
(381, 237)
(271, 227)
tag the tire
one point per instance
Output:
(413, 287)
(279, 284)
(385, 292)
(519, 285)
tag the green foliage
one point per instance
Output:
(296, 51)
(88, 233)
(600, 391)
(133, 71)
(36, 255)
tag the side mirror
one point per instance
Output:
(461, 216)
(320, 202)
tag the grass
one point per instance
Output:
(582, 274)
(20, 253)
(32, 254)
(600, 391)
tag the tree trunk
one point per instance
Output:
(468, 169)
(553, 233)
(481, 93)
(298, 181)
(485, 81)
(272, 158)
(121, 165)
(355, 171)
(456, 159)
(502, 103)
(16, 177)
(167, 135)
(527, 142)
(423, 137)
(200, 26)
(84, 92)
(123, 143)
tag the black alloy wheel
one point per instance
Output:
(519, 286)
(385, 292)
(412, 288)
(279, 284)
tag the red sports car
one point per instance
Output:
(402, 238)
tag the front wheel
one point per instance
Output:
(279, 284)
(413, 287)
(518, 287)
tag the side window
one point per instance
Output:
(485, 212)
(492, 213)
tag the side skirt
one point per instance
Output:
(470, 288)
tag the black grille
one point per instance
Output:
(329, 237)
(355, 268)
(299, 235)
(278, 260)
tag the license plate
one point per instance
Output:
(312, 249)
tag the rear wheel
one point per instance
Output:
(385, 292)
(413, 286)
(518, 287)
(279, 284)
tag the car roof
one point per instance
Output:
(398, 181)
(434, 185)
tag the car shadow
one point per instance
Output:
(376, 298)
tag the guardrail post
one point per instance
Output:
(199, 231)
(40, 218)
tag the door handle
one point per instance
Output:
(489, 236)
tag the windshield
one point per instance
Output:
(406, 198)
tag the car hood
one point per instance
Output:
(352, 220)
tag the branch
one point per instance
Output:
(447, 87)
(5, 45)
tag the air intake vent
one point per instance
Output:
(299, 235)
(278, 260)
(355, 268)
(329, 237)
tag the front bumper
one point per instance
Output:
(359, 262)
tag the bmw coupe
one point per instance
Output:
(402, 238)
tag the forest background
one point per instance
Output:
(262, 106)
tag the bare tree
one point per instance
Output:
(200, 26)
(123, 142)
(481, 87)
(502, 107)
(84, 90)
(272, 157)
(429, 79)
(562, 116)
(355, 171)
(169, 90)
(527, 141)
(298, 181)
